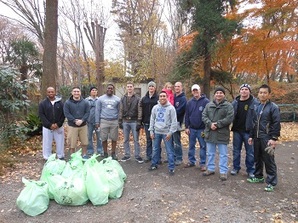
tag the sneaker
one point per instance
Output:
(139, 159)
(251, 175)
(125, 158)
(223, 176)
(114, 157)
(255, 180)
(152, 167)
(208, 173)
(171, 172)
(178, 163)
(165, 161)
(61, 158)
(269, 188)
(234, 172)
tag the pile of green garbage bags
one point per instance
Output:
(72, 183)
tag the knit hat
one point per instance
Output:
(92, 88)
(220, 89)
(195, 86)
(245, 85)
(152, 83)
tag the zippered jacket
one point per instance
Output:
(92, 104)
(180, 102)
(147, 104)
(193, 112)
(51, 113)
(250, 112)
(130, 109)
(266, 121)
(222, 114)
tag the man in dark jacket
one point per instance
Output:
(180, 105)
(130, 117)
(264, 136)
(244, 106)
(77, 111)
(194, 126)
(147, 103)
(50, 111)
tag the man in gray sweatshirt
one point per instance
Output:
(163, 123)
(106, 118)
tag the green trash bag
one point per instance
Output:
(109, 162)
(33, 199)
(96, 183)
(51, 167)
(69, 191)
(76, 160)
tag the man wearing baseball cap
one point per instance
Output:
(194, 126)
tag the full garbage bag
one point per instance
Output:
(33, 199)
(97, 185)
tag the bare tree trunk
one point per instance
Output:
(50, 71)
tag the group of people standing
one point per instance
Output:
(255, 123)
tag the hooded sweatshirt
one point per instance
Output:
(74, 109)
(163, 119)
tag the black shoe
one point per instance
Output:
(139, 159)
(125, 158)
(105, 155)
(152, 167)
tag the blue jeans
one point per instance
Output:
(238, 139)
(178, 154)
(90, 149)
(194, 135)
(127, 127)
(223, 157)
(157, 150)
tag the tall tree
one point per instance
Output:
(50, 70)
(141, 32)
(209, 20)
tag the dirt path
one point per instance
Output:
(156, 197)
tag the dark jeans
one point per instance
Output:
(178, 153)
(238, 139)
(261, 158)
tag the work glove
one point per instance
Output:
(270, 150)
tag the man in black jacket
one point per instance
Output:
(147, 103)
(52, 117)
(264, 136)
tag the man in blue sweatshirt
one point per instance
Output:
(180, 102)
(194, 126)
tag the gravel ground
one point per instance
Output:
(157, 197)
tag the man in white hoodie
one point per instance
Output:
(163, 123)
